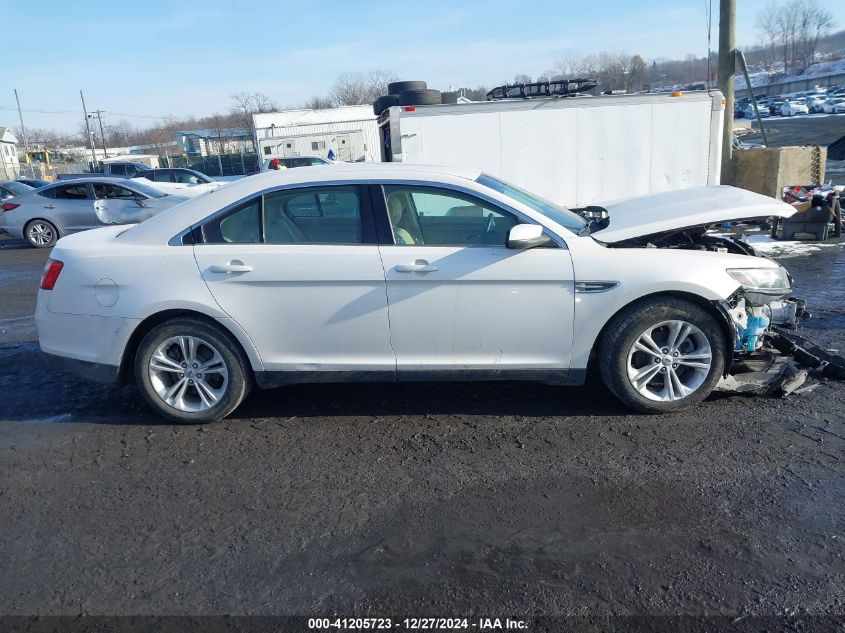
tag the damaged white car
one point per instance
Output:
(395, 272)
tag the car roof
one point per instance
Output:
(175, 219)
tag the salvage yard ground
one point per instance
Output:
(445, 499)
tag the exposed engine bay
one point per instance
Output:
(768, 356)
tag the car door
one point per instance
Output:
(459, 299)
(115, 204)
(71, 205)
(299, 269)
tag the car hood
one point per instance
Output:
(674, 210)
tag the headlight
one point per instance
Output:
(762, 285)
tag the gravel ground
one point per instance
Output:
(445, 499)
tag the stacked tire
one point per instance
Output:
(407, 93)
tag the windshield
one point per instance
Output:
(17, 188)
(557, 213)
(148, 190)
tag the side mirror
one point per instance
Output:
(524, 236)
(140, 202)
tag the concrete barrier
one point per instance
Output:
(794, 85)
(767, 170)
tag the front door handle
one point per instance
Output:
(419, 266)
(49, 206)
(234, 266)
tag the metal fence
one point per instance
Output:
(219, 165)
(223, 165)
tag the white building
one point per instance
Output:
(212, 141)
(349, 132)
(10, 167)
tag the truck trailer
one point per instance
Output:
(571, 150)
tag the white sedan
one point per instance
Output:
(359, 272)
(791, 107)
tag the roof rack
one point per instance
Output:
(556, 88)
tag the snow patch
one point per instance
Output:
(766, 245)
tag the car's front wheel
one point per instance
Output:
(662, 355)
(191, 371)
(41, 233)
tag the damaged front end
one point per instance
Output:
(768, 356)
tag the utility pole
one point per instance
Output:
(98, 114)
(727, 71)
(23, 129)
(88, 130)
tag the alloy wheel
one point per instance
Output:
(40, 233)
(188, 373)
(669, 361)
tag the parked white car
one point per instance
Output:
(791, 107)
(179, 181)
(832, 103)
(388, 272)
(815, 102)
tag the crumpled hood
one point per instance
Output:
(671, 210)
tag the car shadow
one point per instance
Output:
(32, 392)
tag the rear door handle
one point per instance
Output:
(419, 266)
(49, 206)
(234, 266)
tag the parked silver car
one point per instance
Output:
(12, 188)
(42, 216)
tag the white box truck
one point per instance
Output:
(571, 150)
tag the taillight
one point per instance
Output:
(8, 206)
(51, 274)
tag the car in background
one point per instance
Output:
(42, 216)
(111, 170)
(178, 180)
(791, 107)
(775, 104)
(289, 162)
(35, 183)
(831, 103)
(289, 277)
(12, 188)
(815, 102)
(748, 111)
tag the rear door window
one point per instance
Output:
(70, 192)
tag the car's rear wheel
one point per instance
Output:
(41, 233)
(191, 371)
(662, 355)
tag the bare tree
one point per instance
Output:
(522, 79)
(794, 28)
(318, 103)
(813, 23)
(244, 105)
(768, 25)
(637, 70)
(360, 88)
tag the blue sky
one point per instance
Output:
(159, 58)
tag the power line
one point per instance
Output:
(43, 111)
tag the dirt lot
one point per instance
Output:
(496, 499)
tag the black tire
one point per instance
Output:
(235, 389)
(420, 97)
(398, 87)
(47, 230)
(448, 97)
(382, 103)
(621, 334)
